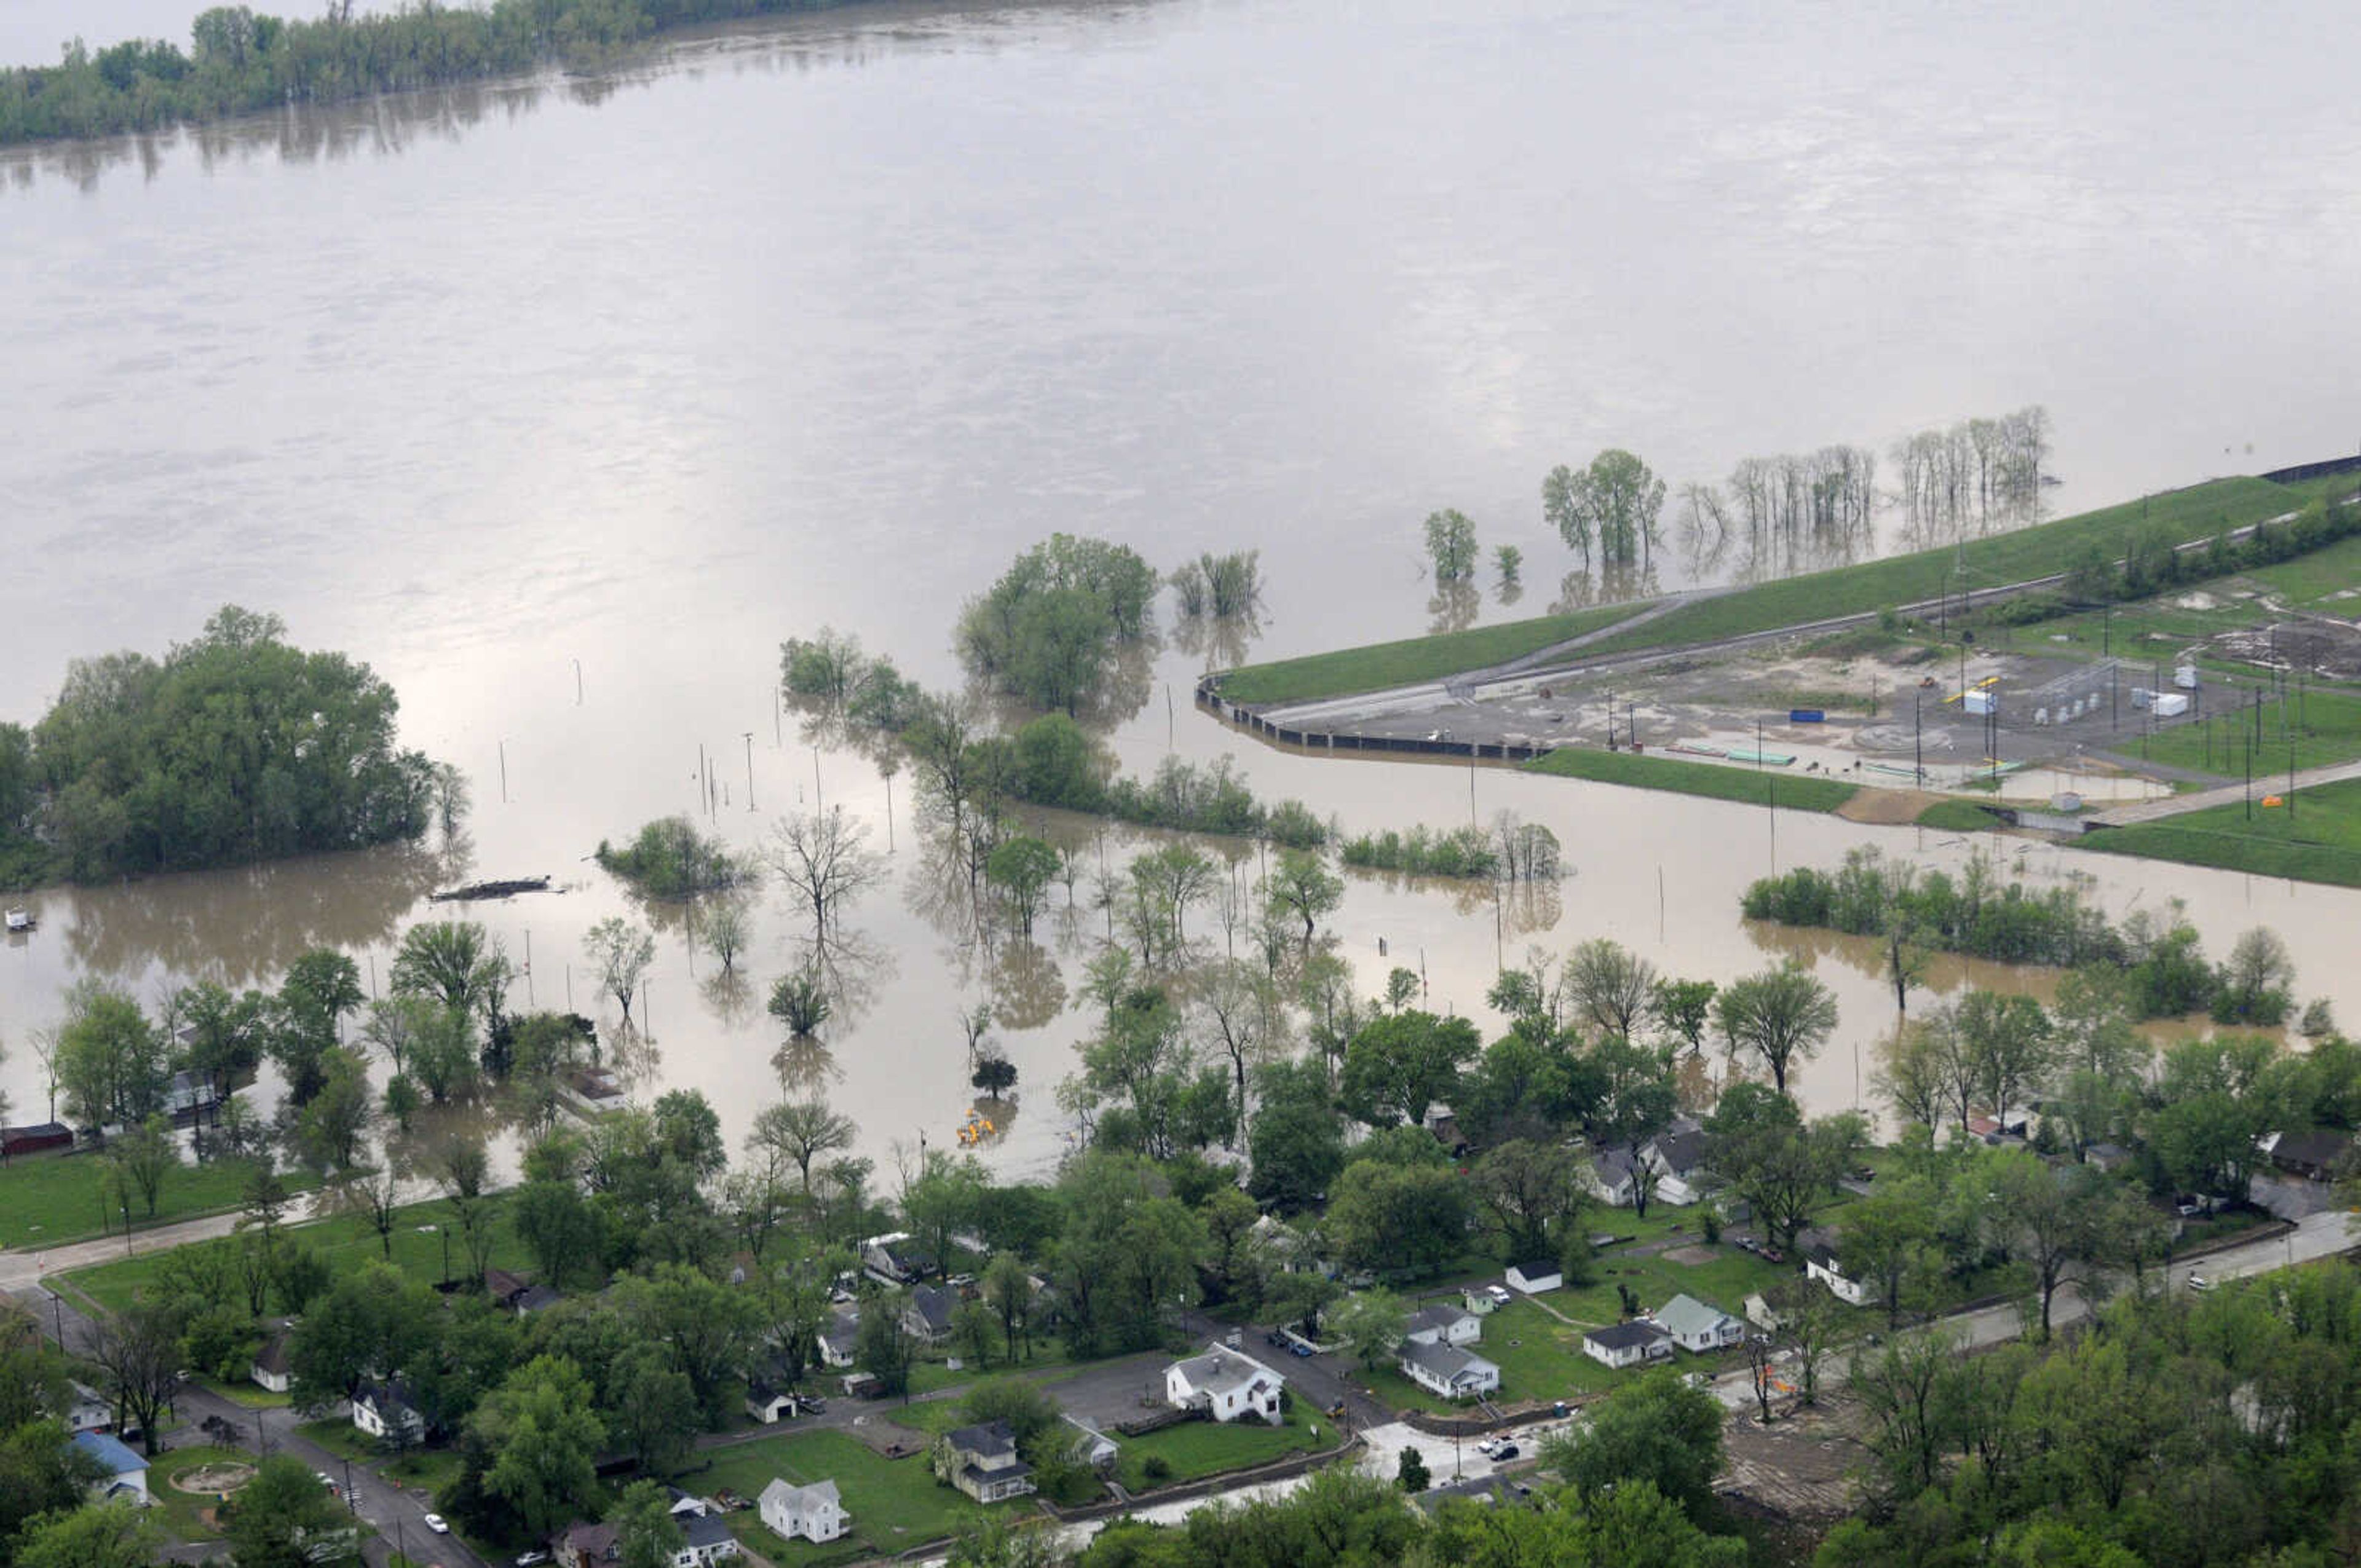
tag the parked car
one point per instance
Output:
(1303, 1349)
(532, 1559)
(435, 1522)
(1500, 1294)
(1275, 1337)
(2200, 1283)
(1773, 1255)
(1487, 1446)
(1506, 1451)
(813, 1405)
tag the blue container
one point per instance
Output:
(1805, 715)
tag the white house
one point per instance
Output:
(388, 1411)
(1439, 1322)
(125, 1474)
(837, 1341)
(1093, 1447)
(1627, 1344)
(270, 1369)
(767, 1404)
(814, 1512)
(88, 1410)
(188, 1093)
(1697, 1325)
(1533, 1279)
(1447, 1370)
(1760, 1313)
(1225, 1384)
(1820, 1263)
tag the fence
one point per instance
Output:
(1245, 717)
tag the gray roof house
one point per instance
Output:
(1447, 1370)
(928, 1314)
(1225, 1384)
(1697, 1325)
(981, 1461)
(1627, 1344)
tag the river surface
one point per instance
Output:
(823, 322)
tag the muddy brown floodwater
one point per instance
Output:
(823, 322)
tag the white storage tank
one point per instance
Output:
(1981, 702)
(2185, 677)
(2170, 705)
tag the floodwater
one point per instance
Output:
(822, 322)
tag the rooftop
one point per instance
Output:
(110, 1451)
(1633, 1335)
(1686, 1315)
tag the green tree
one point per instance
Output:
(1297, 1144)
(1409, 1471)
(1657, 1429)
(455, 960)
(884, 1349)
(285, 1519)
(117, 1534)
(541, 1427)
(1781, 1015)
(1533, 1192)
(1450, 544)
(652, 1411)
(619, 955)
(646, 1534)
(1616, 500)
(1370, 1323)
(110, 1060)
(1021, 869)
(1303, 888)
(1399, 1063)
(1412, 1218)
(144, 1155)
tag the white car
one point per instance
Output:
(435, 1522)
(2200, 1284)
(1500, 1294)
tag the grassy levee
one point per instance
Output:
(2319, 841)
(2200, 511)
(1413, 659)
(1716, 781)
(1957, 817)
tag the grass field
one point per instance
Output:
(2320, 841)
(1716, 781)
(1413, 659)
(49, 1199)
(1196, 1449)
(2323, 727)
(1957, 817)
(2198, 512)
(894, 1504)
(346, 1241)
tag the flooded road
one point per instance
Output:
(822, 322)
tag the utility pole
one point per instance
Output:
(1919, 734)
(749, 770)
(577, 683)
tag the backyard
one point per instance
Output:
(1195, 1449)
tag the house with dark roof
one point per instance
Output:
(708, 1541)
(1822, 1262)
(1628, 1344)
(1536, 1276)
(981, 1461)
(581, 1545)
(928, 1314)
(2314, 1154)
(501, 1288)
(837, 1340)
(388, 1411)
(124, 1473)
(1443, 1322)
(271, 1369)
(768, 1403)
(895, 1259)
(1447, 1370)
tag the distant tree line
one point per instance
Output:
(243, 62)
(234, 748)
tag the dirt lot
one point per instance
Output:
(1798, 1467)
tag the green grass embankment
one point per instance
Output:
(1414, 659)
(1716, 780)
(2200, 511)
(2320, 841)
(1957, 816)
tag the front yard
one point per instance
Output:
(892, 1504)
(1196, 1449)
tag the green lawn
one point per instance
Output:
(1413, 659)
(2320, 841)
(1957, 817)
(48, 1199)
(1718, 781)
(894, 1504)
(1196, 1449)
(2323, 727)
(346, 1240)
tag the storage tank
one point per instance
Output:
(2185, 677)
(1981, 702)
(2170, 705)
